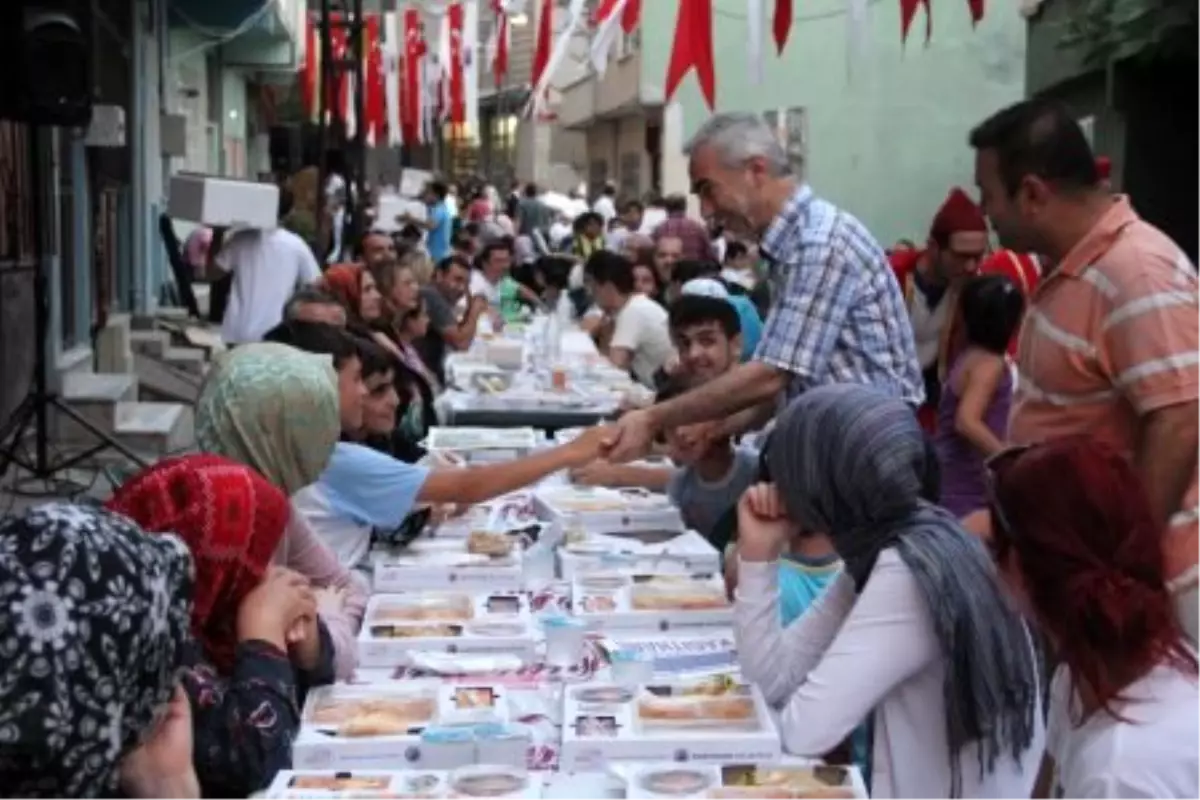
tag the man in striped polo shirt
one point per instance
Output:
(1109, 345)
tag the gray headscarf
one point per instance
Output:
(852, 461)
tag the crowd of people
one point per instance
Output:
(955, 489)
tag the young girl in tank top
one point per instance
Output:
(972, 419)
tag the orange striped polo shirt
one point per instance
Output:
(1110, 335)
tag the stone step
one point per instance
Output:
(192, 360)
(92, 395)
(151, 342)
(160, 429)
(160, 380)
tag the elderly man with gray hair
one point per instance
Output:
(837, 314)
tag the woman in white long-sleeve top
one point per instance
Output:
(915, 636)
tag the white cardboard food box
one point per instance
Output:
(600, 510)
(504, 353)
(612, 600)
(781, 779)
(445, 563)
(696, 653)
(224, 202)
(397, 624)
(483, 445)
(419, 724)
(604, 723)
(689, 552)
(510, 512)
(477, 781)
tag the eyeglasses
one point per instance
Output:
(1002, 529)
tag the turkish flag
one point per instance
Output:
(374, 110)
(541, 56)
(458, 96)
(781, 23)
(908, 10)
(414, 53)
(693, 49)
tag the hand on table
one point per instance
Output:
(764, 528)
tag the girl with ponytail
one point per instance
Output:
(1078, 543)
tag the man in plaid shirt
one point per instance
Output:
(837, 314)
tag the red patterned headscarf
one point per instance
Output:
(344, 281)
(231, 519)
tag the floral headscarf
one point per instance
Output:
(95, 625)
(344, 281)
(231, 519)
(274, 408)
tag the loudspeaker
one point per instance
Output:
(46, 56)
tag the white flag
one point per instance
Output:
(754, 40)
(608, 29)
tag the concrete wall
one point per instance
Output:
(887, 139)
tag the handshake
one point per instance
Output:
(627, 439)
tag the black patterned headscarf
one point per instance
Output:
(853, 461)
(94, 619)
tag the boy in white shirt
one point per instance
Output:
(641, 339)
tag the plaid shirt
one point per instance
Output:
(694, 236)
(837, 315)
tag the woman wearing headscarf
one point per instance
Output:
(250, 673)
(355, 288)
(915, 636)
(94, 630)
(275, 409)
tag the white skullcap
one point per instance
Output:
(705, 287)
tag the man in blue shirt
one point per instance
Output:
(438, 222)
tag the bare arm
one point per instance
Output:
(1166, 455)
(461, 335)
(481, 483)
(620, 357)
(601, 473)
(751, 419)
(745, 386)
(979, 384)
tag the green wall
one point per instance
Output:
(887, 139)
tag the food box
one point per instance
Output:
(223, 202)
(396, 624)
(600, 510)
(477, 781)
(765, 781)
(483, 445)
(504, 353)
(484, 560)
(715, 720)
(675, 655)
(510, 512)
(412, 723)
(687, 552)
(659, 601)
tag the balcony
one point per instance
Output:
(272, 34)
(592, 98)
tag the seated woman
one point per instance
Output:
(261, 641)
(363, 490)
(1077, 540)
(915, 635)
(355, 288)
(96, 631)
(278, 410)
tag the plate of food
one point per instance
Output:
(718, 703)
(426, 608)
(443, 631)
(676, 782)
(677, 595)
(340, 782)
(488, 544)
(788, 782)
(486, 781)
(373, 716)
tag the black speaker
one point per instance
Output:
(46, 58)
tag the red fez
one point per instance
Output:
(1103, 167)
(958, 214)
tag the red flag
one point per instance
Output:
(458, 96)
(545, 35)
(693, 48)
(499, 43)
(908, 10)
(633, 14)
(376, 121)
(781, 23)
(414, 51)
(977, 8)
(310, 71)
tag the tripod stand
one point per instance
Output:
(34, 409)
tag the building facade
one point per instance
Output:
(187, 77)
(884, 136)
